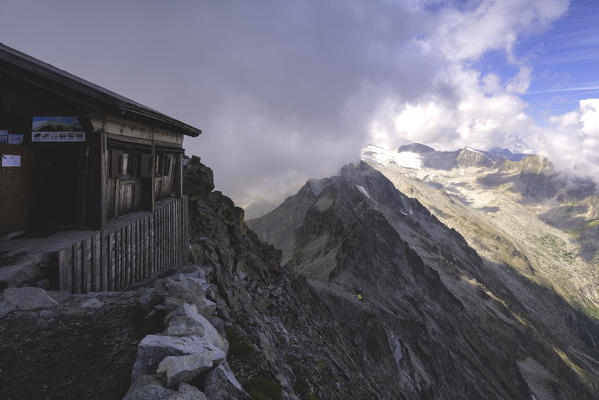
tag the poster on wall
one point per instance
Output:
(3, 136)
(57, 129)
(10, 160)
(15, 138)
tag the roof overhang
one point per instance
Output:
(95, 97)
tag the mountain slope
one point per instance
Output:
(463, 333)
(516, 213)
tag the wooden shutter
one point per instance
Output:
(116, 165)
(146, 165)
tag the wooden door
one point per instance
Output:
(16, 187)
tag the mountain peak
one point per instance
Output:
(415, 148)
(469, 157)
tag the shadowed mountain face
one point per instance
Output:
(461, 326)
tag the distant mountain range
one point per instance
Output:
(480, 264)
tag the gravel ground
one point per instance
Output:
(70, 352)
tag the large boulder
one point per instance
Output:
(187, 321)
(26, 271)
(153, 349)
(25, 299)
(179, 369)
(199, 179)
(188, 392)
(220, 383)
(148, 387)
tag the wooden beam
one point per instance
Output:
(178, 174)
(103, 181)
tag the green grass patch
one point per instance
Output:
(238, 345)
(263, 388)
(556, 247)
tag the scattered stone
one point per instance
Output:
(180, 369)
(153, 349)
(220, 383)
(148, 387)
(92, 303)
(26, 298)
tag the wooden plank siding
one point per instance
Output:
(127, 251)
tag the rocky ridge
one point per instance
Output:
(447, 308)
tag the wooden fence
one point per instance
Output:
(130, 249)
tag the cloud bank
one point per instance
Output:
(285, 91)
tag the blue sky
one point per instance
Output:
(289, 90)
(565, 59)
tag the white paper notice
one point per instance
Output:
(10, 161)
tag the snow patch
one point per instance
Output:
(405, 159)
(361, 189)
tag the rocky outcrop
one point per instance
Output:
(189, 347)
(24, 299)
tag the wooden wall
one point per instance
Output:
(129, 250)
(16, 189)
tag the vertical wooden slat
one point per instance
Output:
(111, 260)
(138, 255)
(169, 237)
(105, 261)
(164, 244)
(174, 235)
(135, 252)
(147, 245)
(123, 256)
(63, 271)
(185, 222)
(144, 242)
(68, 266)
(151, 243)
(117, 256)
(128, 256)
(86, 246)
(159, 239)
(97, 262)
(177, 231)
(77, 270)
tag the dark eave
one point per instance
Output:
(79, 90)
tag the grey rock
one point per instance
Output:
(220, 383)
(188, 392)
(26, 298)
(21, 273)
(186, 321)
(178, 369)
(148, 387)
(92, 303)
(6, 308)
(47, 314)
(153, 349)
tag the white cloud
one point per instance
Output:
(481, 114)
(572, 140)
(491, 25)
(465, 107)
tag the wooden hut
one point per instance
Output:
(76, 156)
